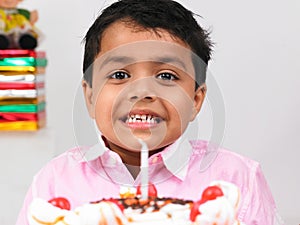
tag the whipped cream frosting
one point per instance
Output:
(134, 211)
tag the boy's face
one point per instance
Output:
(7, 4)
(143, 87)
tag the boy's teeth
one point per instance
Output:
(141, 119)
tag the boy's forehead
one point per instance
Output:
(128, 59)
(149, 50)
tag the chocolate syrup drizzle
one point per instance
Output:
(143, 204)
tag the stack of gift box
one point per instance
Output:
(22, 89)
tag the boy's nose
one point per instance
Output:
(142, 90)
(141, 97)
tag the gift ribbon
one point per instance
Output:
(14, 100)
(23, 61)
(21, 53)
(28, 108)
(12, 71)
(22, 78)
(29, 69)
(11, 117)
(22, 126)
(21, 85)
(22, 93)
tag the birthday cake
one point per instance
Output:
(217, 206)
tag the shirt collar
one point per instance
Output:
(175, 156)
(95, 151)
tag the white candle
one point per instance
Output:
(144, 170)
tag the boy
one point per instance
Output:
(144, 78)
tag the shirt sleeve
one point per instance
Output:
(261, 207)
(42, 187)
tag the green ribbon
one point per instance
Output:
(23, 108)
(23, 61)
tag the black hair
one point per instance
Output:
(151, 14)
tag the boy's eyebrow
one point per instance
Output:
(173, 60)
(118, 59)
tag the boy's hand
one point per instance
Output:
(33, 17)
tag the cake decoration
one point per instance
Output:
(217, 206)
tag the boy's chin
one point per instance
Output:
(130, 138)
(133, 143)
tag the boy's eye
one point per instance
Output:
(120, 75)
(167, 76)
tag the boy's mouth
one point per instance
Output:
(141, 120)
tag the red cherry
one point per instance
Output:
(60, 202)
(152, 191)
(211, 193)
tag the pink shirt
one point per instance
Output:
(182, 170)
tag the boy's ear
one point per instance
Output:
(88, 95)
(198, 100)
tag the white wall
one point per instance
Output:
(255, 65)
